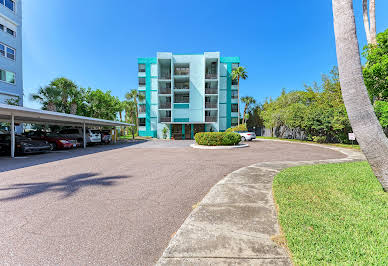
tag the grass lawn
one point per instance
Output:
(357, 147)
(333, 214)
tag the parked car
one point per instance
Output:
(106, 136)
(78, 135)
(56, 141)
(245, 135)
(23, 144)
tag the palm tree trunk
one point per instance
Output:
(366, 127)
(372, 18)
(366, 19)
(137, 117)
(238, 96)
(245, 110)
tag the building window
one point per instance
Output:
(2, 27)
(142, 108)
(11, 32)
(142, 67)
(234, 82)
(234, 94)
(234, 107)
(2, 49)
(7, 76)
(235, 65)
(234, 121)
(142, 82)
(142, 94)
(142, 122)
(11, 53)
(10, 4)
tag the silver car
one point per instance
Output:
(245, 135)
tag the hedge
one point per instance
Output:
(241, 127)
(217, 138)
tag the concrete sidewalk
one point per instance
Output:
(236, 222)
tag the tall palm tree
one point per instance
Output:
(370, 21)
(366, 127)
(67, 88)
(135, 97)
(49, 97)
(248, 102)
(237, 73)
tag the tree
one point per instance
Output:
(68, 88)
(369, 20)
(101, 104)
(13, 101)
(248, 100)
(376, 68)
(360, 111)
(135, 97)
(49, 97)
(237, 74)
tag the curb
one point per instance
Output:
(203, 147)
(237, 220)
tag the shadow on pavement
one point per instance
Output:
(21, 161)
(68, 186)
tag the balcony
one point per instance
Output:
(165, 76)
(210, 118)
(165, 91)
(164, 105)
(211, 90)
(165, 119)
(211, 76)
(142, 109)
(210, 105)
(182, 87)
(182, 71)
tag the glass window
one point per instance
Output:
(2, 50)
(142, 93)
(234, 121)
(2, 2)
(10, 4)
(234, 82)
(234, 94)
(10, 77)
(9, 31)
(142, 122)
(234, 107)
(2, 75)
(142, 81)
(141, 67)
(10, 53)
(235, 65)
(2, 27)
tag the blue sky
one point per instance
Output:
(96, 43)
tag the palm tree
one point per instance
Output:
(49, 97)
(366, 127)
(135, 97)
(370, 21)
(248, 101)
(67, 88)
(237, 73)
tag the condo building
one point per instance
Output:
(11, 80)
(187, 93)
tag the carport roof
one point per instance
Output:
(28, 115)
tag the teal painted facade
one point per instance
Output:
(186, 89)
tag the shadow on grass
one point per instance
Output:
(67, 186)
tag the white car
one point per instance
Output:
(245, 135)
(77, 134)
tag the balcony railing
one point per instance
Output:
(165, 119)
(182, 71)
(211, 91)
(210, 118)
(165, 106)
(182, 88)
(165, 91)
(211, 76)
(210, 105)
(164, 76)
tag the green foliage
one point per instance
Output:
(165, 132)
(319, 139)
(101, 104)
(239, 73)
(381, 109)
(254, 117)
(217, 138)
(317, 110)
(241, 127)
(13, 101)
(249, 101)
(333, 214)
(376, 69)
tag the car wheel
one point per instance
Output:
(53, 146)
(243, 139)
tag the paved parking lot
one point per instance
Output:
(115, 204)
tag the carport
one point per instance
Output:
(18, 114)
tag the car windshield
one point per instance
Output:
(95, 131)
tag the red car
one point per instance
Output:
(55, 141)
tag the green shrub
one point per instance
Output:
(217, 138)
(319, 139)
(241, 127)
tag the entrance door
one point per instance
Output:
(177, 131)
(187, 131)
(199, 128)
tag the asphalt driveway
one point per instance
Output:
(116, 205)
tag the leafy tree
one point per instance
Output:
(381, 109)
(101, 104)
(135, 97)
(375, 71)
(13, 101)
(254, 118)
(237, 74)
(49, 97)
(354, 92)
(248, 100)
